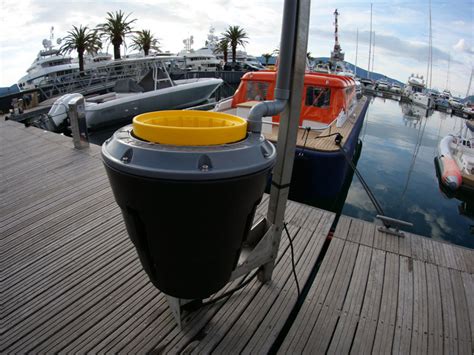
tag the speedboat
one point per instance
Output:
(329, 125)
(156, 91)
(455, 160)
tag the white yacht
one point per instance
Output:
(200, 60)
(49, 65)
(414, 91)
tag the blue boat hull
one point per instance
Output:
(318, 176)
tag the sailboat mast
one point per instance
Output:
(429, 69)
(357, 49)
(470, 82)
(373, 52)
(370, 42)
(447, 76)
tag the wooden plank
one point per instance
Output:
(364, 338)
(355, 231)
(428, 250)
(468, 284)
(404, 324)
(268, 330)
(449, 312)
(388, 307)
(420, 309)
(346, 327)
(468, 255)
(368, 233)
(435, 314)
(322, 330)
(462, 313)
(342, 228)
(301, 328)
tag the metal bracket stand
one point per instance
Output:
(389, 223)
(259, 249)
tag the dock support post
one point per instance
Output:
(289, 122)
(77, 115)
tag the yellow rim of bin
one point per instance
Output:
(176, 127)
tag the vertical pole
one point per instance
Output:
(289, 122)
(373, 52)
(470, 83)
(428, 69)
(357, 49)
(77, 115)
(370, 42)
(447, 76)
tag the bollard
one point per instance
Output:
(77, 115)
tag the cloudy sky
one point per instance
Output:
(401, 30)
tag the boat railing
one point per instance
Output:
(99, 78)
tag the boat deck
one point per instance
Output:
(317, 140)
(71, 280)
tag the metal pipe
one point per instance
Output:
(282, 89)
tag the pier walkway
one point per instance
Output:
(70, 280)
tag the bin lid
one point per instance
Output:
(129, 152)
(190, 128)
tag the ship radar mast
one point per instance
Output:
(337, 55)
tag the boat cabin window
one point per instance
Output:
(257, 90)
(318, 97)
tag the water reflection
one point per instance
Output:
(400, 142)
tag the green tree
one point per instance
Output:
(115, 28)
(236, 36)
(222, 47)
(144, 40)
(82, 40)
(267, 57)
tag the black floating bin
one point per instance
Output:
(187, 208)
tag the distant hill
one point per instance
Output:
(9, 90)
(361, 73)
(468, 99)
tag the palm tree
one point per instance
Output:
(144, 40)
(267, 57)
(82, 40)
(222, 47)
(115, 28)
(236, 36)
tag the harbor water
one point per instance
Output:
(400, 142)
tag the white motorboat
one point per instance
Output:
(414, 91)
(155, 92)
(383, 85)
(455, 159)
(396, 89)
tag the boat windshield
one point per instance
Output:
(257, 90)
(318, 97)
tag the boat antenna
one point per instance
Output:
(370, 42)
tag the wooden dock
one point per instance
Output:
(71, 281)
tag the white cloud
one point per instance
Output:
(462, 46)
